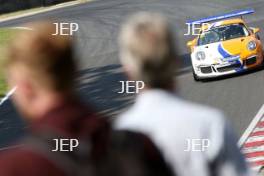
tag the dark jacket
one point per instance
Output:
(69, 120)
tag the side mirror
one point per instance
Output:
(255, 30)
(190, 43)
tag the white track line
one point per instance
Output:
(10, 147)
(14, 89)
(252, 125)
(22, 28)
(7, 96)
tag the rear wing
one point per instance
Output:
(222, 17)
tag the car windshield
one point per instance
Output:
(222, 33)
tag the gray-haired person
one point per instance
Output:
(194, 139)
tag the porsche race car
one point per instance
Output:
(225, 47)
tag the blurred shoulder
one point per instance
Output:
(201, 113)
(22, 161)
(198, 108)
(169, 103)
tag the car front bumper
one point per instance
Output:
(217, 70)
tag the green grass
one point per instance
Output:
(5, 36)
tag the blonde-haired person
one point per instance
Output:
(42, 67)
(147, 53)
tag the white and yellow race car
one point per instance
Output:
(225, 47)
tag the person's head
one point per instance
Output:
(147, 50)
(41, 66)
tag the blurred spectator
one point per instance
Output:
(178, 128)
(42, 67)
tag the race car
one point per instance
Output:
(225, 47)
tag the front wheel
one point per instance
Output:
(195, 77)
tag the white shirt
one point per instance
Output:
(170, 122)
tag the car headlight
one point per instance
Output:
(252, 45)
(200, 55)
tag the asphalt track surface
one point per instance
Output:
(240, 97)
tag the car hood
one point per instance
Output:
(219, 51)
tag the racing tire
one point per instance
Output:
(257, 36)
(262, 63)
(195, 77)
